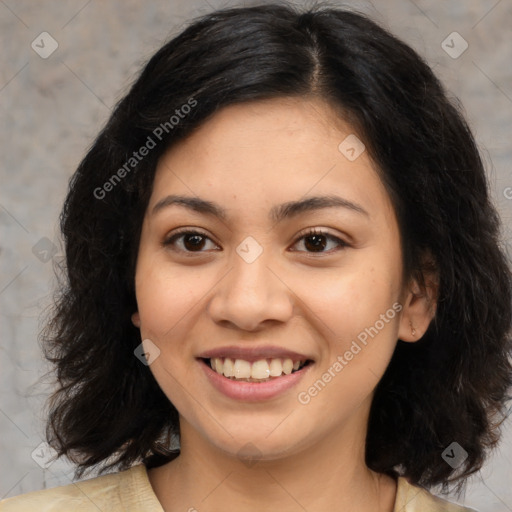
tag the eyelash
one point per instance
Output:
(311, 232)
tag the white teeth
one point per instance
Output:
(287, 366)
(228, 369)
(242, 369)
(217, 364)
(262, 369)
(276, 368)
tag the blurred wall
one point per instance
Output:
(65, 64)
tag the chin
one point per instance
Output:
(249, 451)
(266, 442)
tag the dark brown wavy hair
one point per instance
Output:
(452, 385)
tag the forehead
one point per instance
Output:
(263, 122)
(270, 151)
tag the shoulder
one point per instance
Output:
(122, 491)
(411, 498)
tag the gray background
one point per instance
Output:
(52, 108)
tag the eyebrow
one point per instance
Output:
(277, 213)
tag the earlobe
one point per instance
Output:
(136, 319)
(418, 311)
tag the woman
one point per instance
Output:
(285, 289)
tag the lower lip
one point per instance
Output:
(252, 391)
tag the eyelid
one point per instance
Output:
(321, 232)
(185, 231)
(342, 243)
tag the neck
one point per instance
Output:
(328, 475)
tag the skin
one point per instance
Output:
(248, 158)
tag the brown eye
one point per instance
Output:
(318, 240)
(188, 241)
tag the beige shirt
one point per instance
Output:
(131, 491)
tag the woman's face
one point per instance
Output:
(254, 290)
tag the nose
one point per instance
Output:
(251, 294)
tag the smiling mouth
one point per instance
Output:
(262, 370)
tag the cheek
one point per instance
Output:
(360, 329)
(167, 298)
(356, 311)
(350, 299)
(166, 295)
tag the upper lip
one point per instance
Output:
(253, 354)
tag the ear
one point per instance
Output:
(419, 307)
(136, 319)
